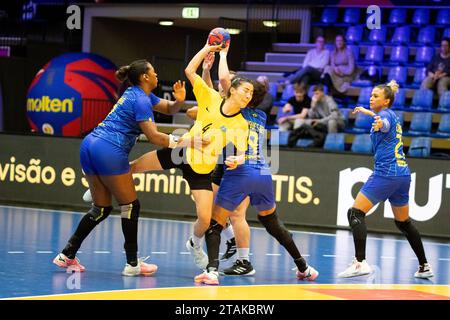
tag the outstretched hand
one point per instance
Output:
(179, 90)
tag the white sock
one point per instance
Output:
(228, 232)
(243, 254)
(197, 241)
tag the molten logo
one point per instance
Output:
(45, 104)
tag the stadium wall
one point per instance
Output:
(311, 188)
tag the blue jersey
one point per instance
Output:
(256, 137)
(388, 147)
(121, 126)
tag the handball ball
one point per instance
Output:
(219, 36)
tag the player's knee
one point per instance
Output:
(275, 228)
(404, 226)
(130, 211)
(355, 217)
(214, 228)
(98, 214)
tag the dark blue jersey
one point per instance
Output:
(256, 137)
(121, 126)
(388, 147)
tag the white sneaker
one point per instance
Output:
(310, 274)
(87, 196)
(356, 269)
(200, 257)
(211, 277)
(142, 268)
(424, 271)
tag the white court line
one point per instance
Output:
(189, 222)
(444, 259)
(102, 252)
(185, 252)
(159, 252)
(44, 251)
(385, 257)
(329, 255)
(15, 252)
(273, 254)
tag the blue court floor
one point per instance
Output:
(31, 238)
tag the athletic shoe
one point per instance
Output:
(424, 271)
(231, 250)
(208, 277)
(62, 261)
(200, 257)
(309, 274)
(356, 269)
(240, 268)
(142, 268)
(87, 196)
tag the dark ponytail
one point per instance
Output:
(133, 71)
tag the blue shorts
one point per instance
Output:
(102, 158)
(237, 184)
(380, 188)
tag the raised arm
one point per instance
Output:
(191, 69)
(224, 72)
(207, 65)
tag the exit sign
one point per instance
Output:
(191, 13)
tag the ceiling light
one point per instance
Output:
(233, 30)
(166, 22)
(270, 23)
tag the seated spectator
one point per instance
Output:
(267, 103)
(341, 71)
(313, 66)
(299, 104)
(439, 70)
(324, 117)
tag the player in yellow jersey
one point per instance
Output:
(219, 121)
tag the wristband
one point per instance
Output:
(173, 141)
(223, 54)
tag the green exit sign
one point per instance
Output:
(191, 13)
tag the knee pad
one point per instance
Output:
(98, 214)
(355, 217)
(275, 227)
(404, 226)
(130, 211)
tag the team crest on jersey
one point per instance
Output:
(254, 115)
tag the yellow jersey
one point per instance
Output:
(214, 125)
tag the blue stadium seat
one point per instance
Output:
(288, 92)
(400, 117)
(398, 74)
(444, 127)
(420, 147)
(401, 35)
(426, 36)
(399, 56)
(273, 89)
(421, 16)
(422, 100)
(399, 102)
(368, 77)
(364, 97)
(444, 102)
(354, 34)
(443, 17)
(335, 142)
(420, 124)
(424, 54)
(362, 144)
(355, 50)
(303, 143)
(446, 33)
(329, 16)
(374, 55)
(419, 75)
(351, 16)
(377, 36)
(280, 139)
(363, 124)
(397, 16)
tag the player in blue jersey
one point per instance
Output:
(104, 159)
(390, 179)
(248, 175)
